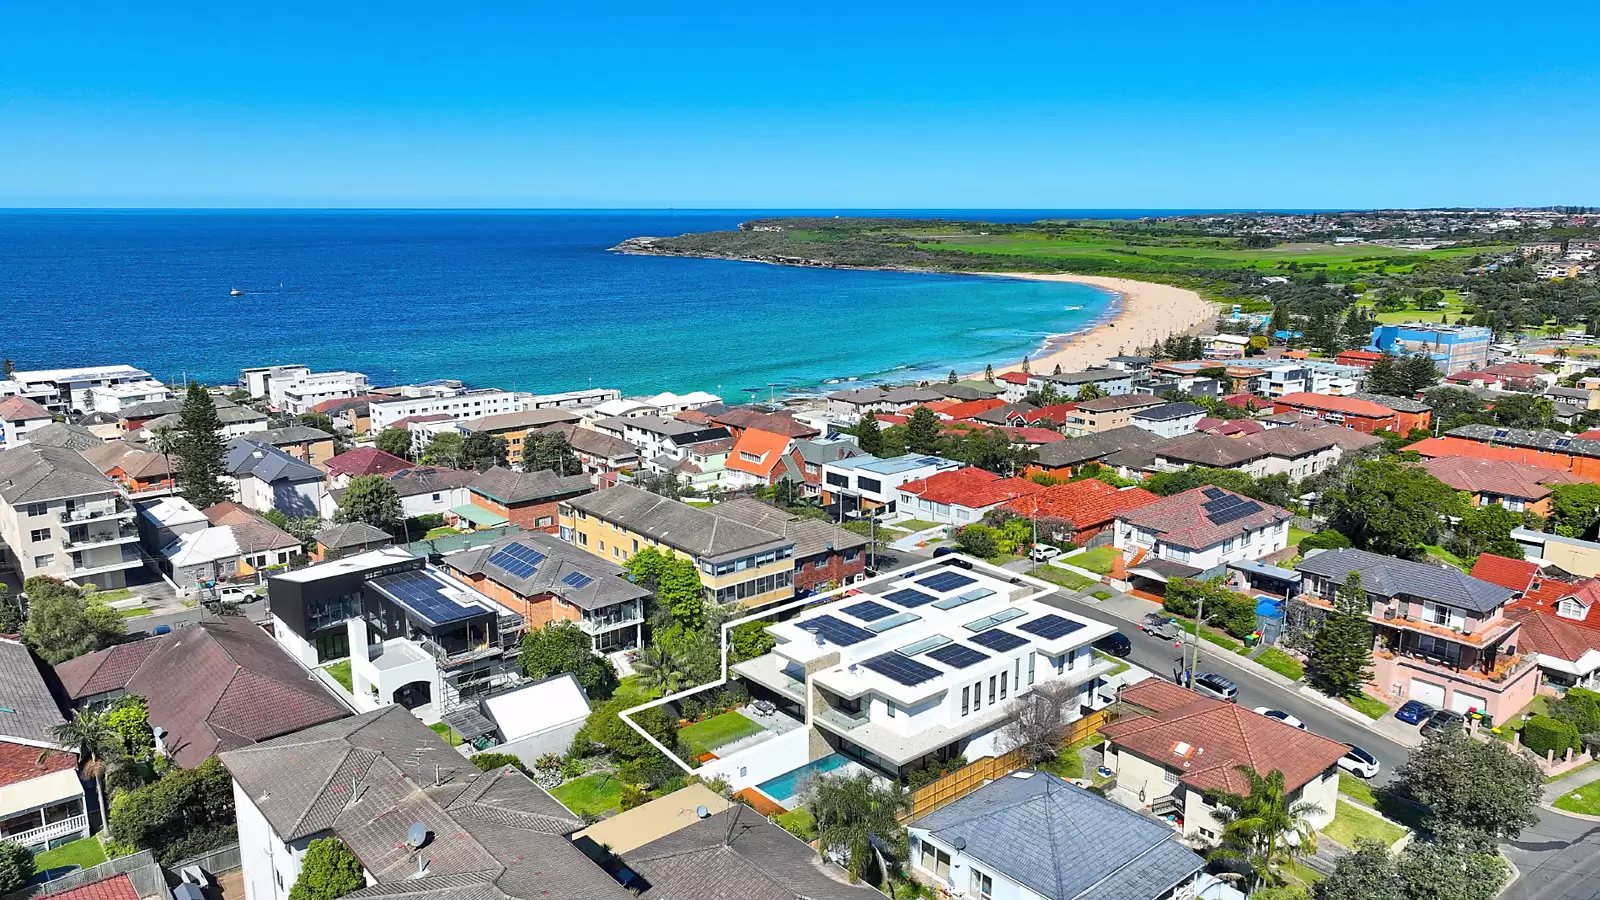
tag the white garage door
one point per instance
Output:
(1428, 692)
(1463, 701)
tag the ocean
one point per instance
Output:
(521, 300)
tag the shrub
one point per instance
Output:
(631, 797)
(549, 762)
(977, 540)
(1324, 540)
(16, 867)
(1579, 707)
(493, 760)
(572, 767)
(429, 521)
(1543, 734)
(328, 872)
(184, 814)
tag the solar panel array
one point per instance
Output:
(956, 600)
(1214, 493)
(836, 631)
(868, 611)
(1051, 627)
(423, 595)
(517, 559)
(1229, 508)
(957, 656)
(999, 641)
(894, 621)
(576, 579)
(898, 668)
(946, 581)
(909, 598)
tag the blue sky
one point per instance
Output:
(850, 105)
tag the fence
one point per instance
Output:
(969, 778)
(147, 877)
(215, 862)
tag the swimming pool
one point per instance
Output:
(785, 787)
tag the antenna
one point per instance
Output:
(733, 821)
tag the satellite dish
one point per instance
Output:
(960, 843)
(417, 835)
(702, 812)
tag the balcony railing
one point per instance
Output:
(96, 540)
(75, 825)
(844, 718)
(91, 513)
(128, 556)
(597, 624)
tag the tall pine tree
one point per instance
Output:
(869, 437)
(1341, 650)
(202, 477)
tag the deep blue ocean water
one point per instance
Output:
(521, 300)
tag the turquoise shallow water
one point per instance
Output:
(529, 301)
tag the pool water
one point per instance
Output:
(785, 787)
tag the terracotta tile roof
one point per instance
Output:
(965, 409)
(338, 406)
(117, 887)
(1517, 370)
(1182, 519)
(20, 762)
(766, 445)
(1028, 435)
(970, 487)
(1548, 634)
(366, 461)
(1369, 355)
(1499, 477)
(1247, 401)
(1084, 503)
(21, 409)
(1350, 406)
(1516, 574)
(1013, 377)
(1206, 740)
(1055, 414)
(1229, 427)
(1454, 446)
(1469, 376)
(777, 423)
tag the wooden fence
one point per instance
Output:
(969, 778)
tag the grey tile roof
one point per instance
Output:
(157, 408)
(998, 415)
(508, 487)
(528, 418)
(29, 712)
(492, 834)
(1169, 412)
(1119, 402)
(738, 855)
(594, 443)
(1399, 404)
(1554, 441)
(1387, 577)
(266, 462)
(31, 473)
(1077, 450)
(60, 434)
(1211, 450)
(1183, 520)
(608, 583)
(1087, 376)
(352, 534)
(429, 480)
(292, 434)
(811, 536)
(820, 451)
(1062, 841)
(227, 415)
(678, 525)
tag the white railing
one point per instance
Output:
(74, 825)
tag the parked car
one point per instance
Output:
(1215, 686)
(1413, 712)
(1359, 762)
(1444, 718)
(1043, 553)
(1115, 644)
(1281, 716)
(942, 551)
(233, 593)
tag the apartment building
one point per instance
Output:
(660, 436)
(517, 428)
(299, 394)
(569, 399)
(63, 391)
(1451, 347)
(1106, 413)
(257, 380)
(1307, 376)
(114, 398)
(59, 516)
(458, 403)
(1110, 382)
(738, 563)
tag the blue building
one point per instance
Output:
(1452, 348)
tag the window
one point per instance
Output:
(583, 539)
(982, 885)
(437, 497)
(36, 509)
(890, 705)
(966, 696)
(45, 561)
(977, 696)
(749, 457)
(1003, 684)
(636, 545)
(1227, 545)
(544, 521)
(935, 860)
(869, 484)
(992, 680)
(1031, 658)
(1170, 776)
(1244, 539)
(39, 535)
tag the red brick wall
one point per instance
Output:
(538, 610)
(834, 569)
(523, 515)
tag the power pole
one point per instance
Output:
(1199, 619)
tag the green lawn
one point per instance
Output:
(1101, 594)
(133, 612)
(917, 525)
(1072, 581)
(798, 822)
(706, 736)
(1120, 667)
(590, 795)
(1097, 560)
(1445, 556)
(1356, 789)
(1209, 634)
(1351, 823)
(441, 531)
(1584, 801)
(341, 673)
(81, 853)
(446, 732)
(114, 595)
(1069, 764)
(1282, 663)
(702, 504)
(1296, 535)
(1369, 706)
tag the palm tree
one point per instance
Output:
(660, 670)
(856, 816)
(1263, 828)
(99, 746)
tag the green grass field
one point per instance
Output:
(1072, 581)
(1296, 535)
(1282, 663)
(1445, 556)
(798, 822)
(1453, 308)
(1369, 706)
(915, 525)
(446, 732)
(717, 731)
(341, 673)
(1357, 790)
(441, 531)
(81, 854)
(133, 612)
(1097, 560)
(590, 795)
(1352, 823)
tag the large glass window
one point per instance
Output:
(935, 861)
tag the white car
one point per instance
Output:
(1043, 553)
(1359, 762)
(1281, 716)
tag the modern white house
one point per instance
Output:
(458, 403)
(298, 394)
(657, 435)
(41, 798)
(67, 390)
(1109, 382)
(114, 398)
(871, 486)
(257, 380)
(1313, 376)
(1169, 420)
(1197, 533)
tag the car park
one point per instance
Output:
(1115, 644)
(1281, 716)
(1413, 712)
(1444, 718)
(1359, 762)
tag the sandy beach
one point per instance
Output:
(1147, 313)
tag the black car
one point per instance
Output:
(1114, 644)
(1444, 718)
(942, 551)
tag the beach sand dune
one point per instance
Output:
(1148, 313)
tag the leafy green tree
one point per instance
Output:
(922, 431)
(549, 449)
(396, 441)
(1522, 411)
(186, 813)
(1454, 407)
(200, 473)
(481, 451)
(315, 420)
(1389, 507)
(749, 641)
(680, 593)
(868, 436)
(1476, 788)
(977, 540)
(16, 864)
(1366, 874)
(492, 760)
(130, 719)
(1090, 392)
(989, 448)
(1574, 508)
(1430, 870)
(1341, 650)
(302, 528)
(1264, 828)
(371, 499)
(65, 622)
(858, 819)
(1486, 529)
(328, 872)
(660, 670)
(444, 450)
(563, 647)
(12, 614)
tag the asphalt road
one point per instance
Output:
(1162, 658)
(1559, 859)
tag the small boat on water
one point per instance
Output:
(236, 292)
(1074, 308)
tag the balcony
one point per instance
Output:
(130, 557)
(90, 541)
(96, 512)
(844, 718)
(72, 825)
(597, 624)
(1504, 670)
